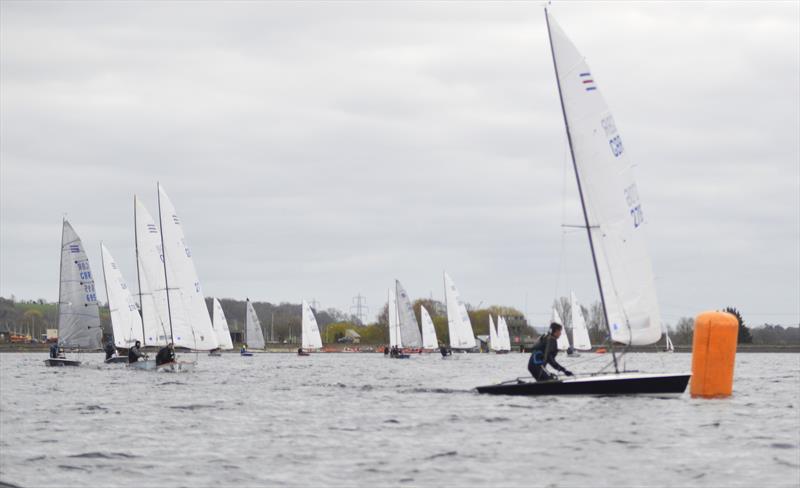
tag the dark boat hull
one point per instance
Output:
(61, 362)
(117, 360)
(608, 384)
(303, 354)
(246, 354)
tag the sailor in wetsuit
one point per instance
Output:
(110, 350)
(165, 355)
(135, 353)
(544, 353)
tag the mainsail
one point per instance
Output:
(493, 344)
(563, 341)
(503, 337)
(458, 323)
(78, 316)
(126, 323)
(311, 338)
(409, 328)
(612, 207)
(580, 334)
(252, 326)
(190, 294)
(156, 314)
(220, 324)
(394, 321)
(429, 340)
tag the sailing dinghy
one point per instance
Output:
(220, 324)
(614, 224)
(78, 315)
(253, 336)
(462, 338)
(311, 340)
(126, 323)
(429, 340)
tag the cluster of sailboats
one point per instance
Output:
(171, 305)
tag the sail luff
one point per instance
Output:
(138, 271)
(164, 261)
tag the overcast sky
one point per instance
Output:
(318, 150)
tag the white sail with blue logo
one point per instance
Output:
(78, 315)
(580, 334)
(611, 199)
(220, 324)
(429, 340)
(179, 258)
(458, 323)
(311, 338)
(126, 323)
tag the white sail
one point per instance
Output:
(429, 340)
(155, 313)
(78, 315)
(126, 323)
(409, 328)
(458, 323)
(252, 326)
(503, 337)
(394, 320)
(493, 344)
(611, 198)
(220, 324)
(311, 338)
(580, 334)
(670, 347)
(563, 341)
(179, 257)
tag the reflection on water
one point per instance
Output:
(362, 419)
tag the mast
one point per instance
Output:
(105, 285)
(60, 278)
(164, 261)
(138, 278)
(580, 193)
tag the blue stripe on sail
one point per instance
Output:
(590, 88)
(585, 74)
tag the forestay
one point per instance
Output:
(252, 326)
(614, 210)
(78, 315)
(409, 328)
(580, 334)
(458, 323)
(220, 324)
(179, 257)
(429, 339)
(311, 338)
(126, 323)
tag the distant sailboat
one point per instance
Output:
(410, 335)
(429, 340)
(459, 326)
(493, 342)
(78, 315)
(394, 319)
(580, 334)
(614, 223)
(669, 347)
(503, 337)
(311, 339)
(563, 340)
(126, 323)
(254, 337)
(220, 324)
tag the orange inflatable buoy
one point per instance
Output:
(714, 354)
(601, 350)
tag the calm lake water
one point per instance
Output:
(364, 420)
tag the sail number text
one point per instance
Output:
(634, 206)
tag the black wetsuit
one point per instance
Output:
(134, 354)
(543, 353)
(165, 355)
(54, 351)
(110, 350)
